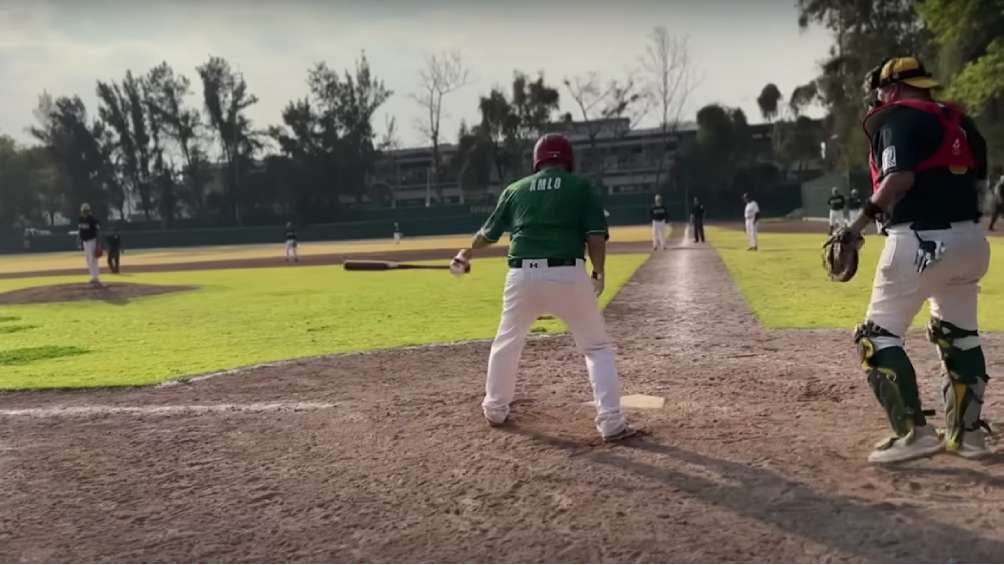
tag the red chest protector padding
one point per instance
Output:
(954, 152)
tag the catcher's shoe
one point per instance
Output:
(973, 445)
(922, 441)
(624, 433)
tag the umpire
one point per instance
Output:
(927, 160)
(114, 244)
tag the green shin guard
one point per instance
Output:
(965, 373)
(892, 379)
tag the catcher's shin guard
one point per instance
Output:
(965, 372)
(891, 377)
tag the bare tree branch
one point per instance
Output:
(443, 74)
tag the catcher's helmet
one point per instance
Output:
(553, 147)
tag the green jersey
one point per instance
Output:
(548, 215)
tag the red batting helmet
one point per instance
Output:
(553, 147)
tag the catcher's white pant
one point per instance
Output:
(291, 249)
(93, 268)
(751, 232)
(658, 234)
(567, 293)
(838, 218)
(951, 284)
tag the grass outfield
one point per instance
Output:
(786, 287)
(27, 262)
(242, 317)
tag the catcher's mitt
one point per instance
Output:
(840, 255)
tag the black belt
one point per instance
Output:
(517, 262)
(926, 225)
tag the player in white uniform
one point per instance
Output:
(291, 244)
(658, 215)
(551, 216)
(752, 216)
(397, 234)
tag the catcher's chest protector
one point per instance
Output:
(954, 153)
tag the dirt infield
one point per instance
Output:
(758, 455)
(319, 259)
(118, 293)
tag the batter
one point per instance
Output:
(551, 216)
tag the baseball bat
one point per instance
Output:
(364, 265)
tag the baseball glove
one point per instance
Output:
(98, 252)
(840, 255)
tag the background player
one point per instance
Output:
(854, 204)
(697, 220)
(997, 196)
(751, 213)
(291, 244)
(659, 215)
(549, 215)
(87, 231)
(926, 160)
(397, 234)
(114, 244)
(837, 204)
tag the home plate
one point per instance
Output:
(640, 402)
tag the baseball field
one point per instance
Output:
(299, 412)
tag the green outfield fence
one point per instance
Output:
(624, 209)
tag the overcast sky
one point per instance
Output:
(65, 46)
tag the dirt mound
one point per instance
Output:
(116, 293)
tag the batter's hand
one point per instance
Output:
(461, 263)
(598, 285)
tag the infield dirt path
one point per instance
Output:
(758, 455)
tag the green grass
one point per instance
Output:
(786, 287)
(247, 316)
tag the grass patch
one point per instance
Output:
(786, 287)
(242, 317)
(15, 329)
(9, 319)
(28, 355)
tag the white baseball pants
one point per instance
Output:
(751, 232)
(567, 293)
(658, 234)
(93, 268)
(291, 249)
(951, 284)
(837, 218)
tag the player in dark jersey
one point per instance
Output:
(927, 160)
(996, 196)
(87, 232)
(697, 220)
(837, 203)
(114, 244)
(291, 243)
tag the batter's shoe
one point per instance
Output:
(625, 432)
(496, 418)
(922, 441)
(973, 446)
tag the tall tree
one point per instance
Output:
(226, 97)
(768, 101)
(671, 78)
(73, 142)
(182, 125)
(443, 74)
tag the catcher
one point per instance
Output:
(927, 159)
